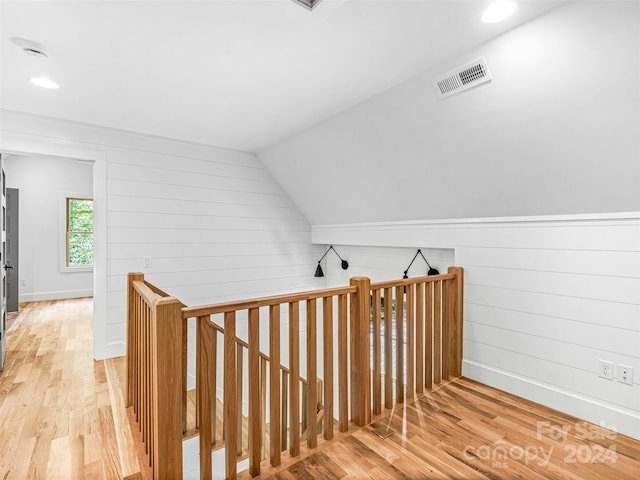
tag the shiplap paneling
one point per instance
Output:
(545, 299)
(567, 332)
(214, 222)
(582, 310)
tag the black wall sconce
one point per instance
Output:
(432, 271)
(319, 272)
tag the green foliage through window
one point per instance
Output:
(79, 232)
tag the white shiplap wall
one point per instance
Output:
(545, 300)
(214, 222)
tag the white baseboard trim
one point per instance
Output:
(60, 295)
(105, 350)
(624, 421)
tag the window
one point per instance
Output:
(79, 232)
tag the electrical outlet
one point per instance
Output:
(625, 374)
(23, 283)
(606, 369)
(146, 262)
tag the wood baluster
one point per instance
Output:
(132, 305)
(448, 311)
(458, 320)
(327, 331)
(410, 360)
(142, 370)
(185, 325)
(138, 363)
(284, 412)
(198, 368)
(274, 390)
(204, 391)
(312, 375)
(143, 365)
(399, 344)
(419, 338)
(428, 336)
(377, 385)
(319, 404)
(254, 433)
(239, 385)
(230, 397)
(304, 406)
(144, 415)
(343, 398)
(294, 378)
(264, 446)
(388, 348)
(437, 333)
(444, 331)
(214, 386)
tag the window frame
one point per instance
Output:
(64, 232)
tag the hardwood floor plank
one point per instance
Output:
(129, 464)
(59, 410)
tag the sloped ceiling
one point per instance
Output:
(555, 132)
(241, 74)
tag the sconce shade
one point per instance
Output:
(344, 264)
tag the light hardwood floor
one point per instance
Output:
(61, 414)
(62, 417)
(466, 430)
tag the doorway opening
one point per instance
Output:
(96, 160)
(47, 187)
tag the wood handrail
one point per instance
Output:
(411, 281)
(156, 290)
(216, 308)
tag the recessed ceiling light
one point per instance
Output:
(45, 83)
(498, 11)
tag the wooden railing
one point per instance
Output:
(392, 340)
(217, 423)
(283, 383)
(431, 335)
(155, 378)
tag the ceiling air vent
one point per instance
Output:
(462, 78)
(308, 4)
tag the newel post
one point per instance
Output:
(458, 319)
(360, 352)
(131, 337)
(166, 331)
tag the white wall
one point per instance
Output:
(555, 132)
(214, 222)
(545, 300)
(41, 182)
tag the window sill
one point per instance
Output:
(76, 269)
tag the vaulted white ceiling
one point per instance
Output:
(241, 74)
